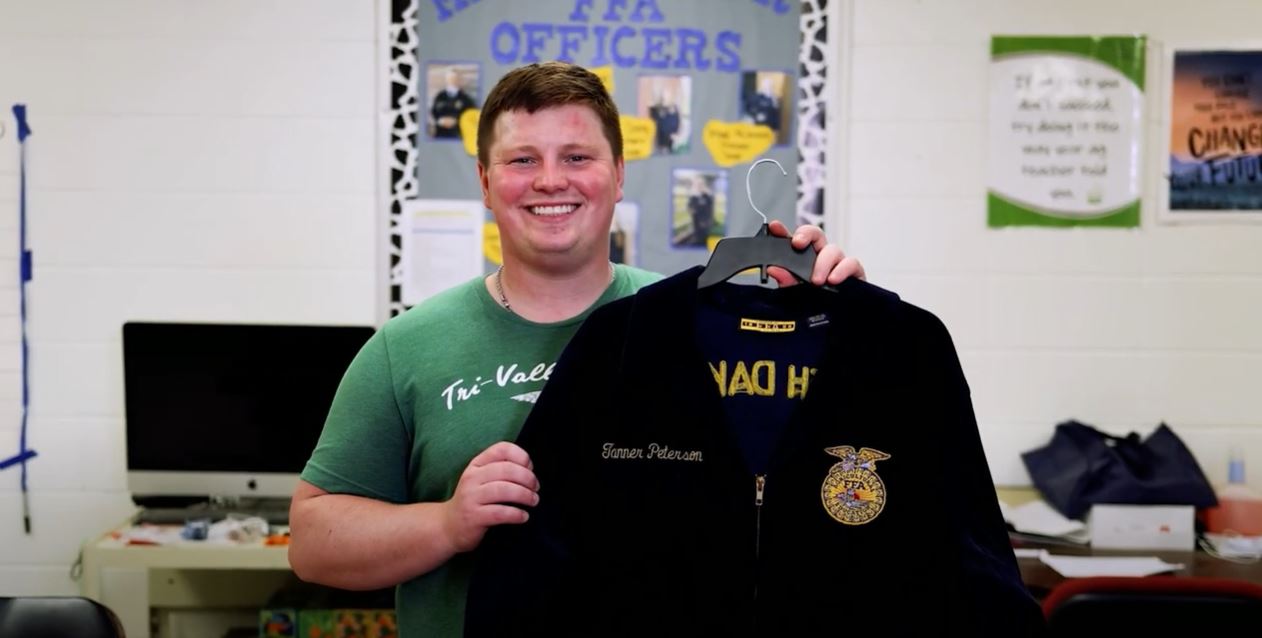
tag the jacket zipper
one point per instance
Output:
(760, 484)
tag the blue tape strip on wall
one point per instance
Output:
(24, 275)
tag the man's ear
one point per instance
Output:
(483, 180)
(621, 168)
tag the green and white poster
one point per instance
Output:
(1066, 124)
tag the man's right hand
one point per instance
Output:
(357, 542)
(495, 481)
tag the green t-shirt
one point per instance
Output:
(429, 391)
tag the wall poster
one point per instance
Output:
(1214, 145)
(1066, 118)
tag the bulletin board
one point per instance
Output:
(703, 72)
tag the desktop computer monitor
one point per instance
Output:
(227, 410)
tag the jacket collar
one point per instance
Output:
(663, 322)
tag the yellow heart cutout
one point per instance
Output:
(605, 73)
(637, 137)
(732, 143)
(469, 130)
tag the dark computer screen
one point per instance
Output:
(230, 397)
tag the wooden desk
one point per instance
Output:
(136, 580)
(1040, 578)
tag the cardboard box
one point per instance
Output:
(1159, 527)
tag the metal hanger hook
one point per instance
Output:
(750, 194)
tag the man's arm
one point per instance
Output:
(356, 542)
(353, 522)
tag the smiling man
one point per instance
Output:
(553, 198)
(415, 462)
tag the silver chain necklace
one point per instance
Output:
(499, 285)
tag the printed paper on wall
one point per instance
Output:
(1066, 119)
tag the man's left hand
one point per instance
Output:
(832, 266)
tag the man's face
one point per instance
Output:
(552, 182)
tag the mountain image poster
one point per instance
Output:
(1215, 137)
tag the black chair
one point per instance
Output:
(1153, 606)
(57, 617)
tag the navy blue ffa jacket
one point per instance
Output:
(666, 510)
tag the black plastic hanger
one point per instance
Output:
(733, 255)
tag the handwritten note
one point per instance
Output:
(637, 137)
(1064, 136)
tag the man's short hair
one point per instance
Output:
(546, 85)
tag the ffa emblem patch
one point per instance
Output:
(852, 492)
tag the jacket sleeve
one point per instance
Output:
(986, 592)
(528, 578)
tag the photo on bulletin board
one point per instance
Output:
(698, 207)
(1214, 145)
(624, 234)
(451, 88)
(765, 100)
(667, 100)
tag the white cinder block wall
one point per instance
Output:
(1121, 329)
(216, 161)
(189, 161)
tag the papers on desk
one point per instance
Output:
(1084, 566)
(1029, 552)
(1240, 549)
(1038, 518)
(150, 535)
(227, 532)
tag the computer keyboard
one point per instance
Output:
(181, 515)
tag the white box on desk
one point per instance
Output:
(1169, 527)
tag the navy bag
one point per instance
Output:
(1082, 466)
